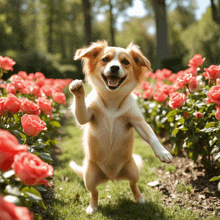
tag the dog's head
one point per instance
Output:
(113, 67)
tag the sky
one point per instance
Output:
(138, 10)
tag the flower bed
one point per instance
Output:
(30, 112)
(186, 107)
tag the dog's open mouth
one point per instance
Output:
(113, 81)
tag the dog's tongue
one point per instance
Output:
(113, 81)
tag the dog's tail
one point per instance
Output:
(138, 160)
(76, 168)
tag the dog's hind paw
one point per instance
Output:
(140, 200)
(91, 210)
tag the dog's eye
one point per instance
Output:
(125, 62)
(106, 60)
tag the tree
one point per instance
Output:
(87, 20)
(111, 9)
(215, 11)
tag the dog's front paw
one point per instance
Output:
(91, 210)
(140, 200)
(76, 88)
(164, 156)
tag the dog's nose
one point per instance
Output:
(114, 69)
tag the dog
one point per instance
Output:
(109, 115)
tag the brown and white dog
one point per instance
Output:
(109, 115)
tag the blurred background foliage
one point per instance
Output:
(43, 35)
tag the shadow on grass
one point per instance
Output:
(126, 209)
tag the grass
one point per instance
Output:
(116, 201)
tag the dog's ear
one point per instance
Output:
(92, 51)
(138, 56)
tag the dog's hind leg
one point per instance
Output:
(93, 176)
(77, 169)
(131, 171)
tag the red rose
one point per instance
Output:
(184, 79)
(145, 85)
(12, 103)
(176, 100)
(6, 63)
(2, 105)
(32, 124)
(148, 93)
(160, 96)
(59, 97)
(213, 72)
(196, 61)
(217, 114)
(199, 115)
(35, 90)
(9, 147)
(23, 74)
(45, 105)
(31, 169)
(9, 211)
(46, 90)
(10, 88)
(186, 115)
(214, 94)
(29, 107)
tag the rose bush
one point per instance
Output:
(185, 107)
(30, 112)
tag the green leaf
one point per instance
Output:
(217, 134)
(55, 124)
(217, 156)
(37, 217)
(39, 146)
(40, 188)
(175, 131)
(8, 174)
(13, 190)
(32, 194)
(210, 124)
(171, 113)
(215, 178)
(23, 136)
(45, 156)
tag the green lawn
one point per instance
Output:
(115, 199)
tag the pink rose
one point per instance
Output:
(137, 93)
(2, 105)
(145, 85)
(196, 61)
(23, 74)
(213, 72)
(59, 97)
(217, 114)
(148, 93)
(10, 88)
(184, 79)
(9, 211)
(12, 103)
(214, 94)
(29, 107)
(9, 147)
(6, 63)
(32, 124)
(160, 96)
(31, 169)
(45, 105)
(176, 100)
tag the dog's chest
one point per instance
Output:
(110, 127)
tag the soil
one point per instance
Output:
(186, 184)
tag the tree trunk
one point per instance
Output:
(163, 48)
(112, 23)
(216, 12)
(50, 27)
(87, 21)
(17, 26)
